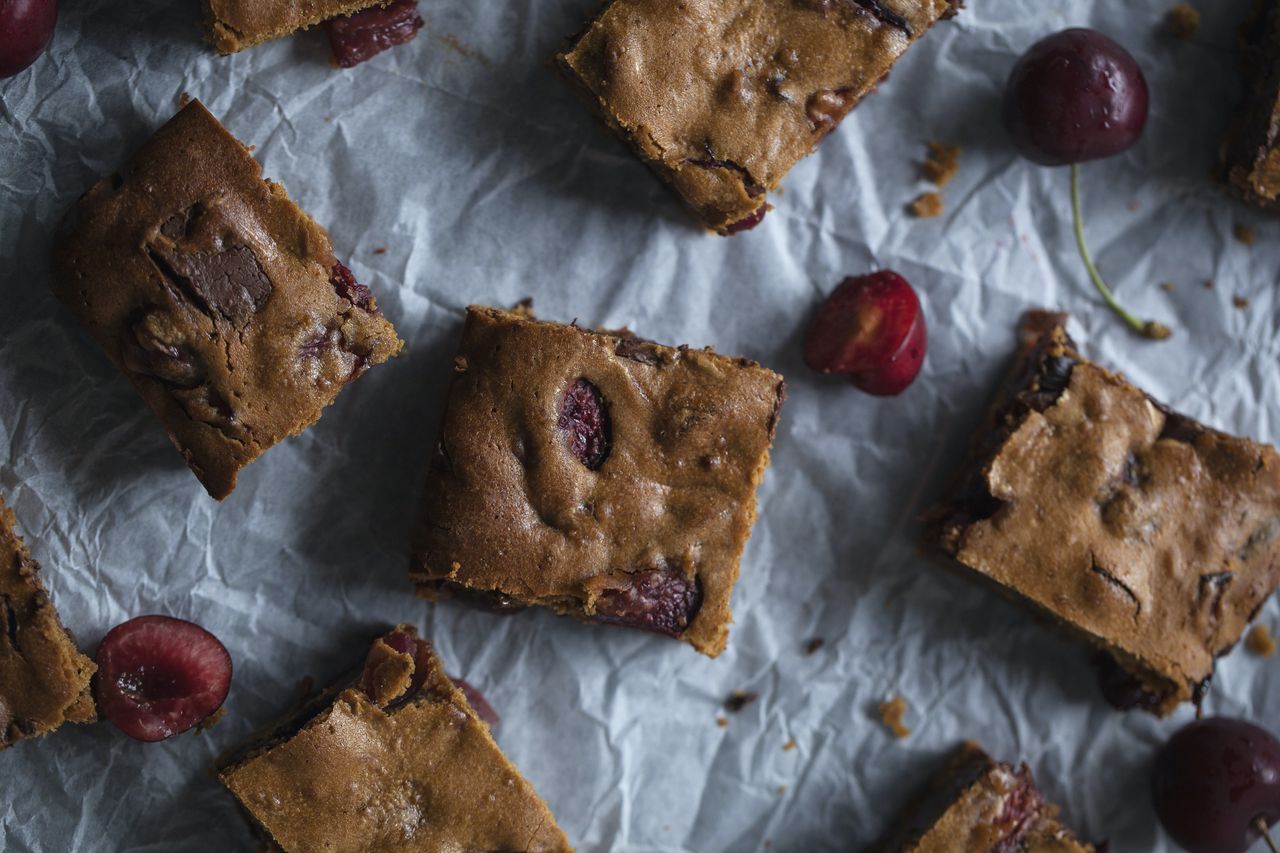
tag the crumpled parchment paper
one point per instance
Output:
(476, 169)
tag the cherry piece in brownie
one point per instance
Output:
(233, 25)
(394, 759)
(722, 97)
(219, 299)
(977, 803)
(596, 474)
(365, 34)
(1251, 153)
(1148, 535)
(44, 679)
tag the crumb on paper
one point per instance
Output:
(738, 700)
(789, 745)
(891, 714)
(1166, 286)
(1244, 234)
(1183, 20)
(1208, 284)
(211, 720)
(926, 206)
(942, 163)
(1241, 302)
(813, 645)
(462, 49)
(184, 99)
(1260, 642)
(782, 789)
(381, 250)
(722, 722)
(1133, 205)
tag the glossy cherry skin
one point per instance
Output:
(1075, 96)
(26, 26)
(1214, 781)
(871, 329)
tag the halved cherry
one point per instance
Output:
(159, 676)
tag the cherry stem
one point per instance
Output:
(1148, 329)
(1264, 831)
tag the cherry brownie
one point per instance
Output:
(596, 474)
(234, 25)
(44, 680)
(722, 97)
(395, 759)
(1150, 536)
(977, 804)
(216, 296)
(1251, 154)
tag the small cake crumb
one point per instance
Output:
(813, 645)
(1166, 286)
(381, 250)
(722, 722)
(738, 700)
(1208, 284)
(782, 789)
(1184, 21)
(1244, 234)
(789, 745)
(942, 163)
(1240, 302)
(184, 99)
(1260, 642)
(927, 206)
(891, 714)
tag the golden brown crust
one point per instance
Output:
(44, 680)
(509, 509)
(722, 97)
(1149, 535)
(977, 804)
(424, 775)
(233, 25)
(214, 295)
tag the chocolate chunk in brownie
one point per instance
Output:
(1151, 536)
(219, 299)
(721, 98)
(597, 474)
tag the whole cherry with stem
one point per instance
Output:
(1077, 96)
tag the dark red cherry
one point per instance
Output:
(1216, 784)
(1075, 96)
(26, 26)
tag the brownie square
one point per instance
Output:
(1251, 153)
(394, 760)
(233, 25)
(722, 97)
(596, 474)
(976, 803)
(216, 296)
(1151, 536)
(44, 680)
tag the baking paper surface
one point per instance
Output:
(461, 169)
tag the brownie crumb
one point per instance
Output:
(1240, 302)
(1183, 21)
(381, 250)
(1260, 642)
(891, 714)
(1208, 284)
(813, 645)
(926, 206)
(782, 789)
(942, 163)
(738, 700)
(1244, 234)
(184, 99)
(789, 745)
(722, 722)
(1166, 286)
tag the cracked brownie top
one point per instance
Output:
(723, 97)
(976, 803)
(44, 680)
(597, 474)
(218, 298)
(398, 761)
(1154, 537)
(234, 25)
